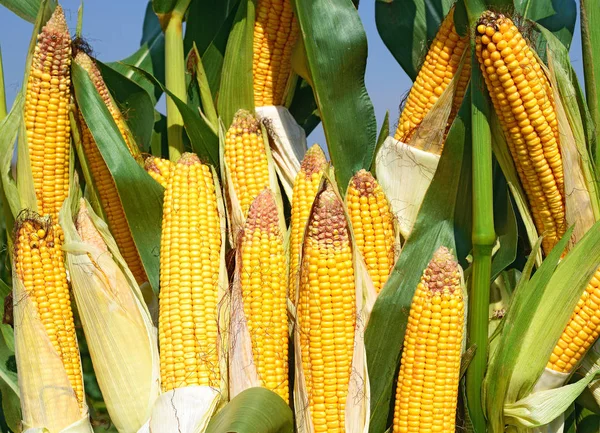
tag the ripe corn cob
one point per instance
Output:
(440, 66)
(275, 33)
(427, 389)
(373, 225)
(306, 186)
(581, 331)
(327, 312)
(160, 169)
(105, 185)
(189, 273)
(523, 101)
(246, 158)
(39, 264)
(47, 114)
(264, 286)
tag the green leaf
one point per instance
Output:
(255, 410)
(558, 16)
(434, 227)
(236, 91)
(204, 22)
(590, 47)
(11, 405)
(536, 317)
(505, 224)
(336, 54)
(26, 9)
(140, 195)
(304, 107)
(150, 56)
(134, 102)
(405, 24)
(204, 140)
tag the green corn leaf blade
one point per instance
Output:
(135, 104)
(140, 195)
(336, 53)
(255, 410)
(10, 126)
(26, 9)
(403, 26)
(204, 140)
(198, 88)
(304, 107)
(384, 132)
(463, 213)
(505, 225)
(11, 405)
(150, 56)
(536, 317)
(204, 22)
(236, 91)
(558, 16)
(434, 227)
(590, 46)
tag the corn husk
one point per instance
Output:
(183, 410)
(288, 143)
(118, 327)
(589, 364)
(235, 217)
(358, 402)
(47, 399)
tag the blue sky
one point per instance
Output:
(113, 28)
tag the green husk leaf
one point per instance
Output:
(590, 47)
(198, 72)
(10, 126)
(204, 21)
(236, 90)
(9, 387)
(434, 227)
(336, 50)
(253, 410)
(26, 9)
(505, 223)
(558, 16)
(132, 182)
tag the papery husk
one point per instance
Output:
(288, 143)
(358, 407)
(183, 410)
(47, 399)
(235, 217)
(118, 327)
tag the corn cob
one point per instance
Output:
(275, 33)
(327, 312)
(440, 66)
(47, 102)
(264, 286)
(104, 183)
(189, 273)
(427, 389)
(373, 226)
(39, 265)
(523, 101)
(581, 331)
(160, 169)
(306, 186)
(246, 158)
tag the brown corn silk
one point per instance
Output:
(275, 33)
(523, 100)
(264, 286)
(47, 100)
(102, 178)
(326, 312)
(306, 186)
(39, 265)
(427, 390)
(439, 68)
(372, 225)
(189, 278)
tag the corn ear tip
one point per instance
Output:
(442, 272)
(245, 120)
(263, 213)
(189, 158)
(329, 208)
(314, 160)
(57, 22)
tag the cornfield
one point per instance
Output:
(195, 266)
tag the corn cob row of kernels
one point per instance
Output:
(160, 169)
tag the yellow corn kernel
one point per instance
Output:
(264, 286)
(47, 124)
(39, 265)
(581, 331)
(427, 389)
(306, 186)
(373, 226)
(189, 278)
(523, 101)
(160, 169)
(327, 312)
(436, 73)
(103, 180)
(246, 158)
(275, 33)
